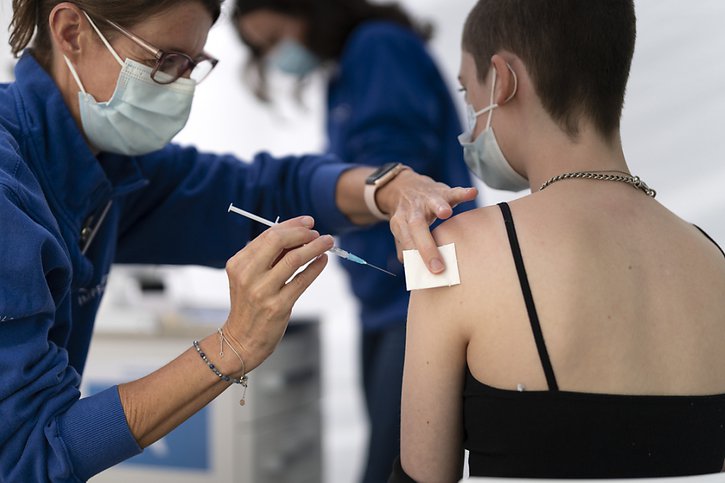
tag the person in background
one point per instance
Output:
(586, 337)
(88, 178)
(386, 102)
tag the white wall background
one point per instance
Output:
(673, 132)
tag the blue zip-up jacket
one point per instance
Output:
(169, 207)
(388, 102)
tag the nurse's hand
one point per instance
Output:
(262, 294)
(415, 202)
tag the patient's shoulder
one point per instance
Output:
(474, 231)
(482, 250)
(481, 247)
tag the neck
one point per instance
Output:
(554, 153)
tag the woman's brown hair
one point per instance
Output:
(30, 18)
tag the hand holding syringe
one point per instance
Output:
(334, 250)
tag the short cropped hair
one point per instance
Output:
(577, 52)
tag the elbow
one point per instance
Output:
(426, 471)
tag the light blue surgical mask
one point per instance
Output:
(291, 57)
(142, 116)
(483, 155)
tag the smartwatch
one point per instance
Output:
(379, 178)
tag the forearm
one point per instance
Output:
(263, 288)
(159, 402)
(349, 196)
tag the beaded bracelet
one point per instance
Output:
(243, 381)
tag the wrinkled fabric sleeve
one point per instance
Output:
(47, 434)
(181, 216)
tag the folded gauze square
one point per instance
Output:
(417, 275)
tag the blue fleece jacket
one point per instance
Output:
(388, 102)
(169, 207)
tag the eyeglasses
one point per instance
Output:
(170, 66)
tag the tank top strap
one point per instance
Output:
(528, 297)
(710, 238)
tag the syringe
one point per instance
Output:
(334, 250)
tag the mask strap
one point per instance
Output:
(516, 85)
(493, 93)
(493, 106)
(103, 39)
(75, 74)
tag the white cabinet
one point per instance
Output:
(275, 437)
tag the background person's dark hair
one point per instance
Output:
(30, 19)
(330, 23)
(578, 53)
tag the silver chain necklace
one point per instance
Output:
(622, 177)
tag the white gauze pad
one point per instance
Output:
(418, 277)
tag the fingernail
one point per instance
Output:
(315, 233)
(436, 265)
(308, 221)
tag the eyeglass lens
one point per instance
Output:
(174, 65)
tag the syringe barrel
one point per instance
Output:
(339, 252)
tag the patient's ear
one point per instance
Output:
(506, 80)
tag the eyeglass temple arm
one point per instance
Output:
(153, 50)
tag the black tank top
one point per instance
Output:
(560, 434)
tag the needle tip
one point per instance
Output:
(381, 269)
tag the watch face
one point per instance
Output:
(380, 172)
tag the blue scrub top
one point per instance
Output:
(169, 207)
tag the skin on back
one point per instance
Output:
(629, 296)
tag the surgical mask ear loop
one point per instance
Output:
(74, 74)
(516, 84)
(493, 92)
(104, 40)
(489, 109)
(72, 69)
(492, 105)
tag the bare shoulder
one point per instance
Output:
(479, 236)
(454, 229)
(480, 241)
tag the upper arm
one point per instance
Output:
(435, 360)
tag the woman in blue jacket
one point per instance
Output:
(386, 101)
(87, 179)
